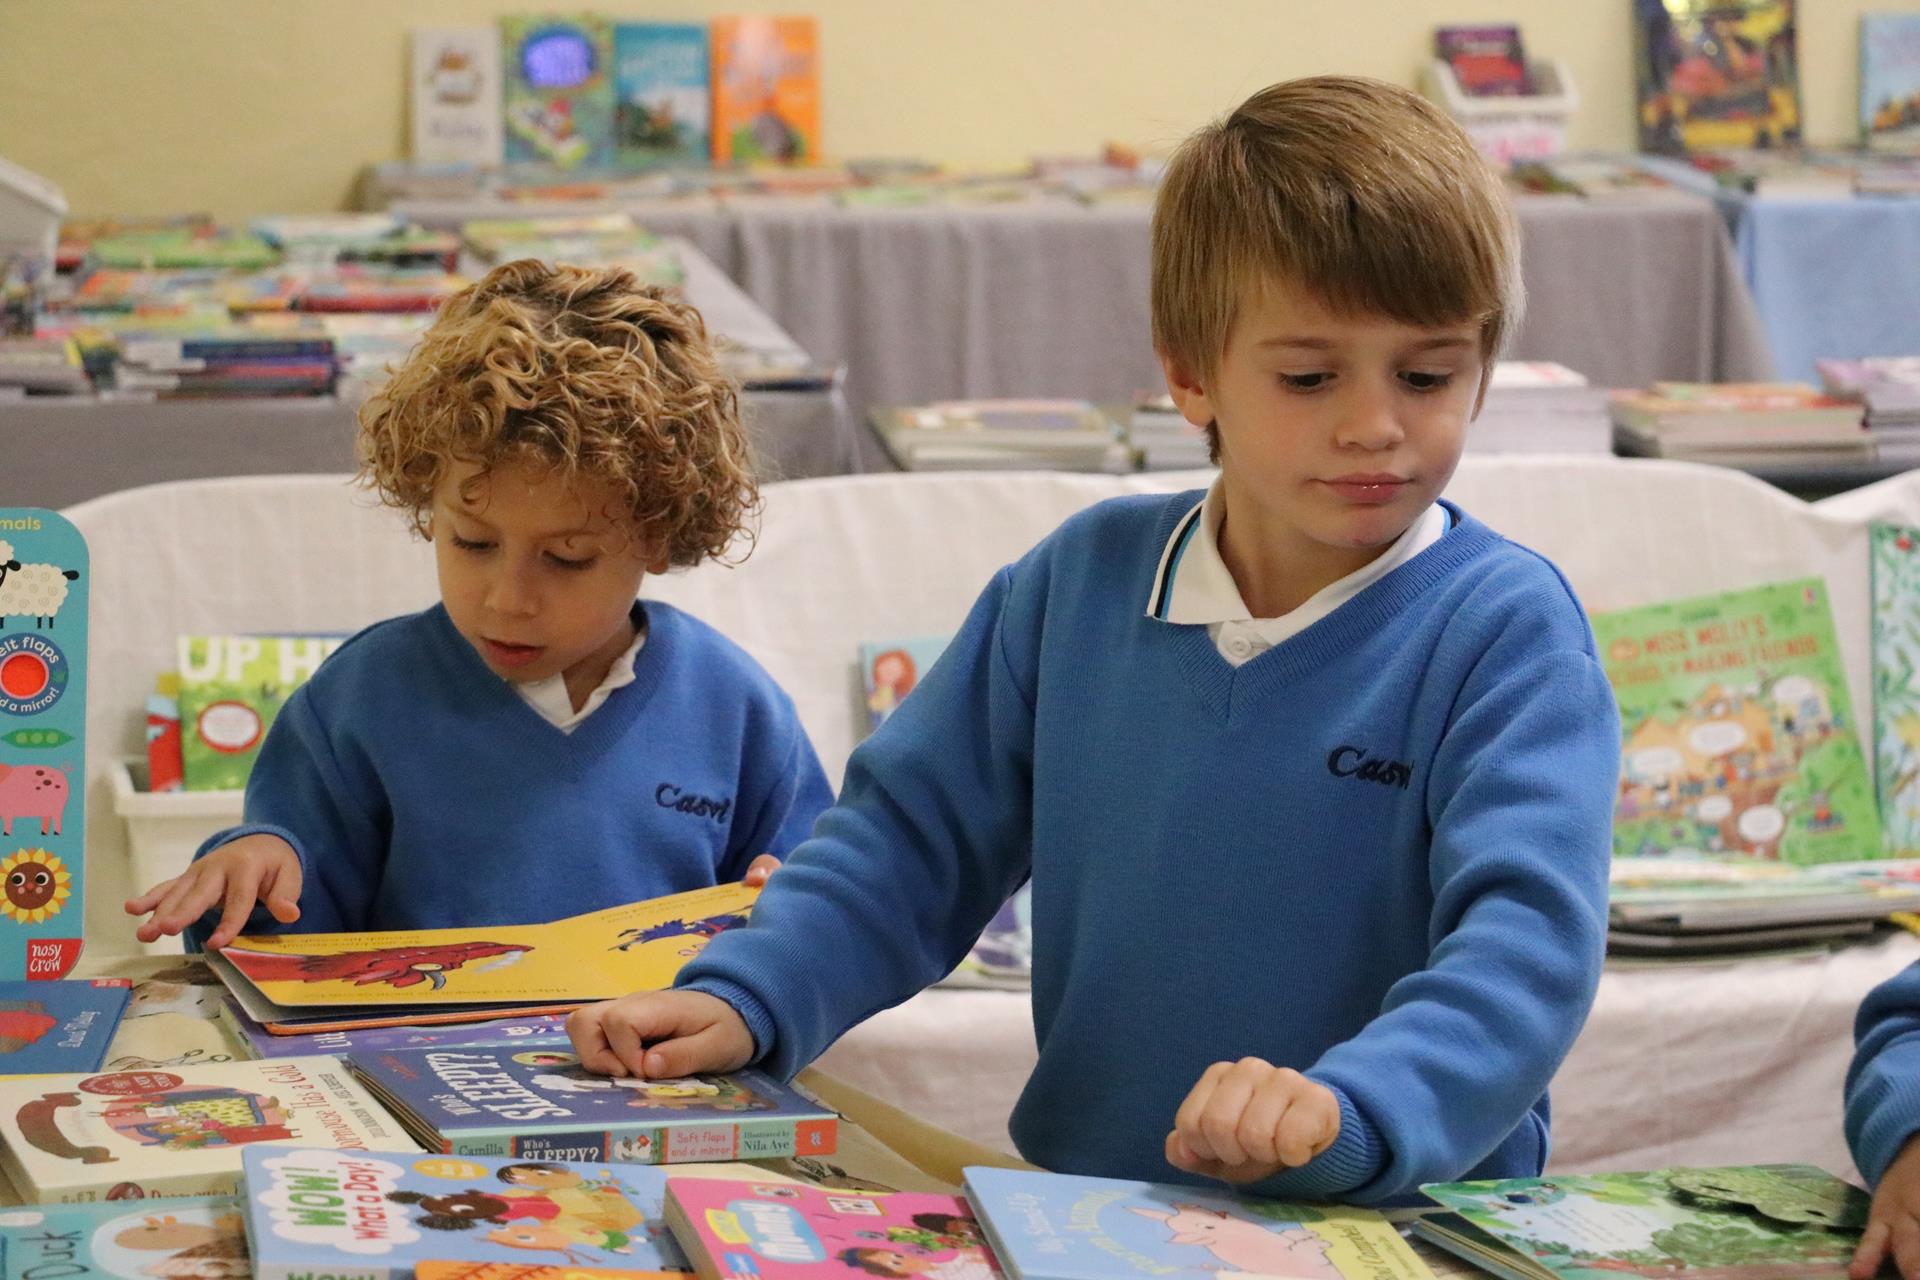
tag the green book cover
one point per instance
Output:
(1737, 733)
(1896, 686)
(1748, 1222)
(231, 688)
(558, 101)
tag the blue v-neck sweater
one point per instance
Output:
(1376, 853)
(422, 792)
(1883, 1082)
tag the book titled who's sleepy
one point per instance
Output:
(537, 1102)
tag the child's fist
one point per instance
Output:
(255, 868)
(1248, 1120)
(1893, 1224)
(660, 1035)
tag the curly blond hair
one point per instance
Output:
(583, 371)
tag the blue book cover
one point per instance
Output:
(545, 1028)
(56, 1027)
(1890, 80)
(662, 103)
(889, 670)
(1050, 1226)
(357, 1215)
(538, 1102)
(196, 1237)
(43, 725)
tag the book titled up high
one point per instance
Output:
(537, 1102)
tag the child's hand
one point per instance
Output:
(1893, 1224)
(1248, 1120)
(758, 871)
(256, 868)
(660, 1035)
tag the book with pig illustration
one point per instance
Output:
(358, 1215)
(1737, 732)
(741, 1230)
(231, 691)
(43, 719)
(1049, 1226)
(538, 1103)
(310, 982)
(127, 1134)
(186, 1237)
(1756, 1222)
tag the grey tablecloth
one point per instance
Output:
(55, 451)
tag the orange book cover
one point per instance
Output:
(766, 90)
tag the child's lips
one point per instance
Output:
(1368, 490)
(512, 655)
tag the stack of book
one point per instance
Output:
(1741, 424)
(1658, 906)
(330, 238)
(225, 364)
(1537, 406)
(42, 366)
(980, 435)
(1889, 389)
(1162, 438)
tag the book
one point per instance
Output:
(663, 101)
(1012, 433)
(310, 982)
(363, 1216)
(1047, 1226)
(546, 1028)
(1737, 732)
(1698, 895)
(1716, 75)
(164, 770)
(1756, 1222)
(1488, 61)
(45, 576)
(187, 1238)
(539, 1103)
(557, 95)
(1739, 414)
(231, 691)
(733, 1230)
(889, 669)
(179, 1131)
(53, 1027)
(766, 90)
(1890, 81)
(1895, 566)
(446, 1269)
(454, 90)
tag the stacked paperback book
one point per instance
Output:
(976, 435)
(1889, 389)
(1755, 424)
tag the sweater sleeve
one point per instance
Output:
(783, 791)
(1883, 1083)
(932, 833)
(331, 815)
(1520, 797)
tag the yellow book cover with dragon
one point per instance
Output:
(636, 947)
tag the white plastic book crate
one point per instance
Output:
(1506, 128)
(163, 830)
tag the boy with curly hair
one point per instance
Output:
(541, 743)
(1313, 772)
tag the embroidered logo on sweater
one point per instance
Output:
(668, 796)
(1356, 762)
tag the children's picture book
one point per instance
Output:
(889, 669)
(766, 90)
(336, 981)
(186, 1238)
(558, 90)
(546, 1028)
(357, 1215)
(231, 691)
(54, 1027)
(1895, 559)
(1488, 61)
(1737, 732)
(537, 1102)
(1758, 1222)
(732, 1230)
(1716, 75)
(1890, 81)
(44, 578)
(663, 102)
(177, 1132)
(446, 1269)
(1048, 1226)
(455, 92)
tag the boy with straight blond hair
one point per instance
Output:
(1312, 772)
(540, 743)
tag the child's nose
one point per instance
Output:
(511, 593)
(1372, 422)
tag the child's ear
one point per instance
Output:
(1188, 395)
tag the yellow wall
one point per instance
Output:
(241, 107)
